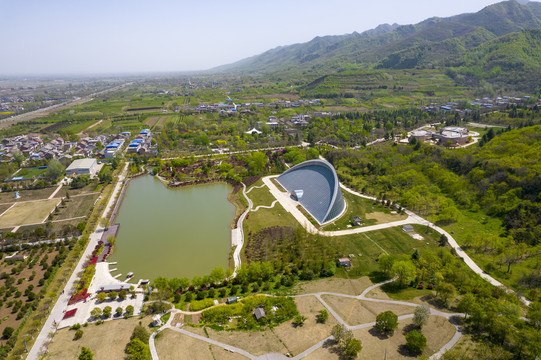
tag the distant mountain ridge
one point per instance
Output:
(434, 41)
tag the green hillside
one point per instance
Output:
(495, 36)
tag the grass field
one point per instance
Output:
(263, 218)
(77, 206)
(107, 341)
(260, 196)
(28, 213)
(364, 208)
(29, 173)
(374, 243)
(9, 197)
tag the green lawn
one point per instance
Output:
(29, 173)
(374, 243)
(358, 206)
(260, 196)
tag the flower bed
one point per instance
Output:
(81, 293)
(69, 314)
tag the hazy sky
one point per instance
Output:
(111, 36)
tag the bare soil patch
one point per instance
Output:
(298, 339)
(336, 285)
(172, 345)
(356, 312)
(107, 341)
(438, 332)
(255, 342)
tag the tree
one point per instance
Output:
(299, 320)
(54, 169)
(118, 311)
(129, 310)
(352, 349)
(78, 334)
(385, 262)
(122, 294)
(86, 354)
(18, 157)
(8, 331)
(107, 311)
(405, 272)
(137, 350)
(420, 316)
(443, 240)
(322, 316)
(466, 303)
(341, 334)
(112, 295)
(96, 312)
(386, 322)
(101, 296)
(415, 341)
(217, 274)
(140, 333)
(445, 292)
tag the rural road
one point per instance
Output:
(57, 313)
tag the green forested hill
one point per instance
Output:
(511, 59)
(391, 46)
(477, 188)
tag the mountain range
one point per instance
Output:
(502, 36)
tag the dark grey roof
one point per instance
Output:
(259, 313)
(322, 197)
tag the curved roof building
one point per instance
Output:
(315, 185)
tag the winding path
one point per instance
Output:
(290, 206)
(433, 312)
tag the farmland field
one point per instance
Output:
(28, 213)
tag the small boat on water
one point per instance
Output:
(130, 275)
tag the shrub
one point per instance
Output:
(78, 334)
(140, 333)
(201, 304)
(387, 321)
(8, 331)
(415, 341)
(322, 316)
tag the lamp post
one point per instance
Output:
(24, 339)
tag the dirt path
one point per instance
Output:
(90, 127)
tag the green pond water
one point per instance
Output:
(172, 233)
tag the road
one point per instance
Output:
(274, 356)
(45, 111)
(57, 311)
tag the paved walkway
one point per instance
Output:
(274, 356)
(57, 312)
(56, 191)
(291, 206)
(240, 233)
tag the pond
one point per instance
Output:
(173, 233)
